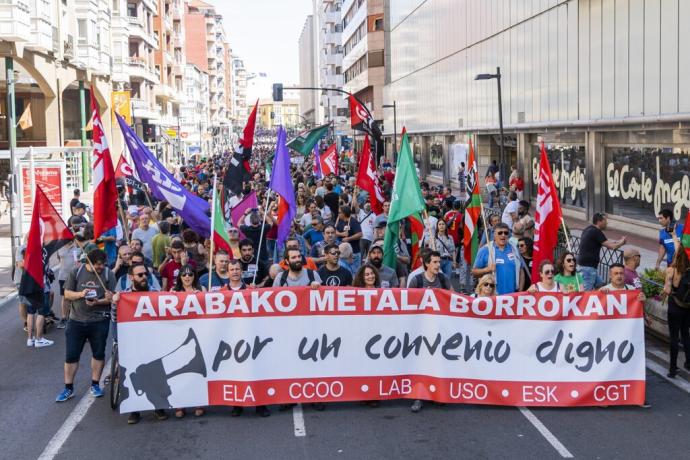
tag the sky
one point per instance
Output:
(264, 33)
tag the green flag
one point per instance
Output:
(304, 142)
(406, 200)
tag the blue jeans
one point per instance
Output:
(590, 278)
(447, 267)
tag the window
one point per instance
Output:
(376, 58)
(82, 33)
(568, 169)
(132, 9)
(378, 24)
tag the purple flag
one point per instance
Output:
(248, 202)
(317, 162)
(193, 210)
(281, 183)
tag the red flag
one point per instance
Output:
(47, 233)
(247, 139)
(105, 190)
(473, 209)
(361, 119)
(548, 217)
(685, 236)
(366, 178)
(329, 161)
(124, 169)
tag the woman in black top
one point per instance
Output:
(676, 287)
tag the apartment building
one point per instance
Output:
(59, 50)
(194, 112)
(329, 31)
(239, 92)
(363, 47)
(307, 64)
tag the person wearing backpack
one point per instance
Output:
(296, 274)
(677, 289)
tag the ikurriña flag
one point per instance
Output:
(473, 208)
(47, 233)
(105, 189)
(548, 216)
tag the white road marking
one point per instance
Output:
(662, 371)
(560, 448)
(78, 413)
(298, 421)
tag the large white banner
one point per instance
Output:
(271, 346)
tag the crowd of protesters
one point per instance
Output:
(335, 240)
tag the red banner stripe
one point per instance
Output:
(161, 306)
(444, 390)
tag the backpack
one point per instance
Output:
(681, 294)
(310, 275)
(419, 280)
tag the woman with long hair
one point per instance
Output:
(446, 246)
(526, 247)
(486, 287)
(677, 290)
(187, 281)
(367, 277)
(566, 273)
(547, 284)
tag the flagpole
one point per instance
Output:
(570, 249)
(93, 269)
(486, 234)
(261, 235)
(213, 220)
(123, 216)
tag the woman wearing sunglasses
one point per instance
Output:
(567, 275)
(486, 287)
(547, 271)
(187, 281)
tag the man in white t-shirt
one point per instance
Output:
(510, 213)
(366, 218)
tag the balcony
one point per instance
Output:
(332, 17)
(333, 59)
(139, 68)
(334, 80)
(177, 13)
(167, 22)
(143, 109)
(164, 91)
(137, 29)
(333, 38)
(178, 41)
(15, 21)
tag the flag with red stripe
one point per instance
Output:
(105, 189)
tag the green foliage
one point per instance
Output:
(653, 282)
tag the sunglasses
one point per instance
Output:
(139, 275)
(502, 233)
(187, 274)
(334, 253)
(548, 272)
(569, 261)
(522, 245)
(491, 285)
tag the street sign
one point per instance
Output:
(50, 175)
(171, 133)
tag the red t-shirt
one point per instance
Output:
(518, 183)
(454, 221)
(389, 176)
(171, 270)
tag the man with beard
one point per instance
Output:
(251, 266)
(389, 277)
(332, 272)
(296, 274)
(138, 280)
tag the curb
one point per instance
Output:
(9, 298)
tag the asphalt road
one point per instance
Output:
(32, 424)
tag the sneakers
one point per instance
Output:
(160, 414)
(30, 343)
(236, 411)
(416, 406)
(133, 418)
(42, 342)
(26, 329)
(65, 395)
(96, 391)
(62, 324)
(262, 411)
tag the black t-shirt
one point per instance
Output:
(590, 244)
(254, 234)
(339, 277)
(354, 228)
(332, 200)
(73, 202)
(251, 267)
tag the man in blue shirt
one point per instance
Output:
(502, 258)
(666, 247)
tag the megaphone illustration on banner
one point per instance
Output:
(152, 378)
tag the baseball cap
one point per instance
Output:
(380, 221)
(80, 205)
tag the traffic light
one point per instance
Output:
(277, 92)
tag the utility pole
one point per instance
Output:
(15, 217)
(84, 158)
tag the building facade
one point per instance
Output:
(307, 64)
(363, 48)
(194, 112)
(599, 81)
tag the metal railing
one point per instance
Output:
(607, 257)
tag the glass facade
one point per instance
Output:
(643, 180)
(568, 166)
(436, 157)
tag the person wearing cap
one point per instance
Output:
(380, 223)
(78, 220)
(631, 260)
(389, 277)
(75, 200)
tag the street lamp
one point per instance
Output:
(497, 76)
(395, 128)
